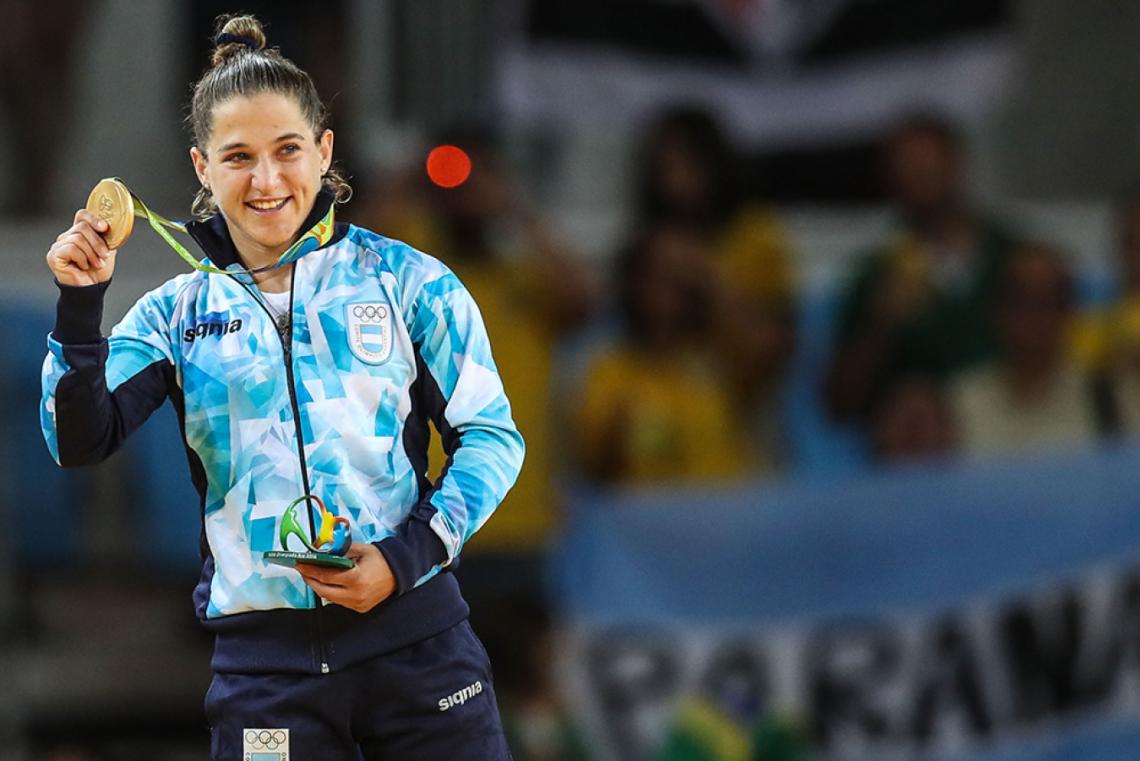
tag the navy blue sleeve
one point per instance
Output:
(416, 548)
(86, 418)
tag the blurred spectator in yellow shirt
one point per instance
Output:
(685, 177)
(652, 409)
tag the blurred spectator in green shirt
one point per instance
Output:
(920, 301)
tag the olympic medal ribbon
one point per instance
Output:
(313, 238)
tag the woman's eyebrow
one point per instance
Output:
(286, 136)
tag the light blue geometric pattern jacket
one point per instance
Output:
(381, 339)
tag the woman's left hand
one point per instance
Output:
(360, 588)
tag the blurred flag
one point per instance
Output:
(784, 73)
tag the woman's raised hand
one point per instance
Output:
(80, 255)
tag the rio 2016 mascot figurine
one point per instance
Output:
(333, 537)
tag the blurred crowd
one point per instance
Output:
(959, 335)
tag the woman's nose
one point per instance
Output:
(265, 176)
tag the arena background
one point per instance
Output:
(736, 568)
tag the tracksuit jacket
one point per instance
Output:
(335, 402)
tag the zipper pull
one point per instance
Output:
(285, 331)
(324, 668)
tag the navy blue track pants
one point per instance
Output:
(429, 701)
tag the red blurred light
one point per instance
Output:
(448, 166)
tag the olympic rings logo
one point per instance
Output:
(264, 738)
(370, 312)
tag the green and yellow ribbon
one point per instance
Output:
(315, 237)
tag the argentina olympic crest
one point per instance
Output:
(368, 326)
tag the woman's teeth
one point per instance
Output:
(267, 205)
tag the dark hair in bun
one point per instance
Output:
(241, 65)
(235, 35)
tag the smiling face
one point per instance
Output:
(263, 163)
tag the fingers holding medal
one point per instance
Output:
(84, 254)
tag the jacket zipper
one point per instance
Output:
(285, 335)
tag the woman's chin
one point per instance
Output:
(275, 237)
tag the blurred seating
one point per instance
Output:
(42, 505)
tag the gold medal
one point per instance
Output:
(111, 202)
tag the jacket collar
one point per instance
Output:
(213, 235)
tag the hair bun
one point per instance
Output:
(237, 34)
